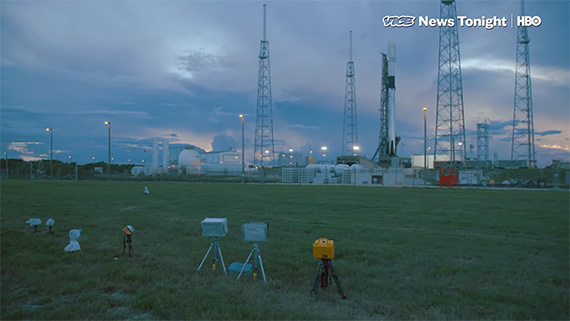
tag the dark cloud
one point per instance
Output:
(547, 132)
(198, 61)
(224, 142)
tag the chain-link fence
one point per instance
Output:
(553, 177)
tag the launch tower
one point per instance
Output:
(388, 141)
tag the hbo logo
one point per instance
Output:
(528, 21)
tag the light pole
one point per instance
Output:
(50, 130)
(425, 146)
(108, 123)
(242, 147)
(7, 172)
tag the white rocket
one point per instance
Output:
(392, 142)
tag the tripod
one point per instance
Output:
(128, 239)
(257, 251)
(217, 251)
(325, 278)
(50, 232)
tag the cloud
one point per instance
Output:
(86, 111)
(300, 126)
(551, 75)
(224, 142)
(220, 112)
(197, 61)
(23, 147)
(547, 132)
(559, 147)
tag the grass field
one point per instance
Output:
(400, 253)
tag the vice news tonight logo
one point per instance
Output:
(405, 21)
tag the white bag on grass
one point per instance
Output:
(73, 244)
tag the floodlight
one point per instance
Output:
(214, 227)
(255, 231)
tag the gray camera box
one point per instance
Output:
(214, 226)
(255, 231)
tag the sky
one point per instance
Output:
(185, 70)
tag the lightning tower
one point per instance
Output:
(450, 123)
(483, 141)
(523, 123)
(388, 141)
(349, 131)
(264, 143)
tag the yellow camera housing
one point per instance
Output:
(323, 249)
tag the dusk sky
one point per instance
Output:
(185, 70)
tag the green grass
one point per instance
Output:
(400, 253)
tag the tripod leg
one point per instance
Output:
(261, 265)
(243, 267)
(222, 259)
(325, 276)
(205, 256)
(124, 246)
(318, 277)
(337, 281)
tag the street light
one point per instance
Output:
(108, 123)
(50, 130)
(242, 146)
(324, 151)
(425, 146)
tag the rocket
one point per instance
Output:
(392, 139)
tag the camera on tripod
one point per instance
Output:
(214, 227)
(323, 249)
(255, 231)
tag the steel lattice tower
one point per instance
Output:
(349, 130)
(523, 123)
(483, 141)
(450, 122)
(264, 143)
(382, 150)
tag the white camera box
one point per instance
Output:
(212, 226)
(255, 231)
